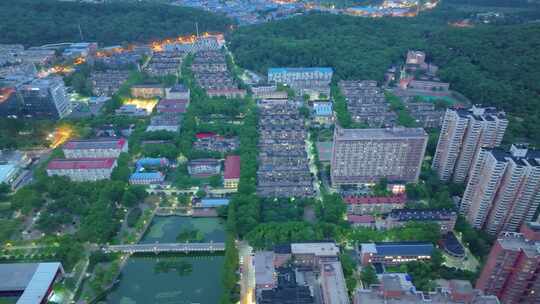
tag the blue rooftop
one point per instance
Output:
(323, 108)
(214, 202)
(146, 176)
(300, 70)
(148, 161)
(404, 248)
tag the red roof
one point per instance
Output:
(81, 163)
(232, 167)
(360, 219)
(394, 199)
(202, 135)
(100, 143)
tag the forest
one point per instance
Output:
(493, 65)
(38, 22)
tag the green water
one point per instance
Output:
(173, 279)
(166, 229)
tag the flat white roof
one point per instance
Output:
(264, 267)
(318, 249)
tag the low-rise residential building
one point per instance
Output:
(283, 163)
(178, 106)
(82, 169)
(303, 80)
(394, 253)
(366, 220)
(108, 82)
(268, 92)
(148, 91)
(365, 204)
(204, 167)
(95, 148)
(131, 110)
(209, 141)
(165, 63)
(227, 92)
(231, 173)
(446, 219)
(367, 104)
(164, 122)
(178, 91)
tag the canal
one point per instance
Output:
(174, 278)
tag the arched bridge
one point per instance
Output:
(165, 247)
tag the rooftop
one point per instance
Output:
(34, 279)
(300, 70)
(379, 134)
(399, 248)
(264, 267)
(318, 249)
(81, 163)
(98, 143)
(232, 167)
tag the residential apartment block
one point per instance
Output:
(95, 148)
(503, 189)
(463, 133)
(368, 155)
(513, 266)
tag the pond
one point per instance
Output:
(173, 278)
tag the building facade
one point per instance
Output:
(231, 173)
(45, 98)
(368, 155)
(82, 169)
(446, 219)
(463, 133)
(503, 190)
(513, 266)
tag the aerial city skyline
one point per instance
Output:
(272, 152)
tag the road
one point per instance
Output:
(247, 274)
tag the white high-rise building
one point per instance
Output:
(463, 133)
(503, 190)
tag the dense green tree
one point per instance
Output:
(108, 23)
(368, 276)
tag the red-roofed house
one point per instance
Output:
(366, 220)
(231, 175)
(202, 135)
(82, 169)
(374, 204)
(95, 148)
